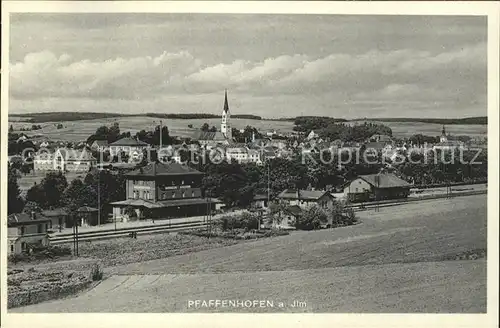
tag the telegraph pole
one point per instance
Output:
(377, 208)
(269, 183)
(99, 197)
(161, 137)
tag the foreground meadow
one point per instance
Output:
(421, 257)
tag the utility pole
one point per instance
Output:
(161, 137)
(377, 194)
(75, 235)
(269, 183)
(99, 197)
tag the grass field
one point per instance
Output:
(81, 130)
(399, 259)
(27, 181)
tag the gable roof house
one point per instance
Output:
(99, 145)
(306, 197)
(25, 230)
(210, 139)
(377, 186)
(130, 146)
(163, 190)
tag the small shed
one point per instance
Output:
(87, 216)
(58, 218)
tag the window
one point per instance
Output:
(183, 194)
(23, 246)
(22, 230)
(39, 229)
(182, 182)
(12, 248)
(192, 193)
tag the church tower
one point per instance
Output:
(443, 137)
(225, 127)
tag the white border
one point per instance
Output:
(490, 9)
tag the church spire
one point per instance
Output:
(226, 105)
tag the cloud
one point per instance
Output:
(456, 77)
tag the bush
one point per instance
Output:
(40, 252)
(96, 273)
(342, 216)
(247, 221)
(311, 218)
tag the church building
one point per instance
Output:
(222, 137)
(225, 127)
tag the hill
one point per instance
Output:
(481, 120)
(80, 116)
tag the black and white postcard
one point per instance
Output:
(305, 161)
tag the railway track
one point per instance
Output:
(185, 226)
(126, 232)
(392, 202)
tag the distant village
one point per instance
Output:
(152, 176)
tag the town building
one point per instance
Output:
(163, 190)
(243, 155)
(260, 202)
(25, 230)
(65, 160)
(303, 198)
(211, 139)
(58, 218)
(225, 127)
(99, 145)
(447, 142)
(376, 187)
(312, 135)
(130, 146)
(380, 138)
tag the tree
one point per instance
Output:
(205, 127)
(48, 194)
(78, 194)
(212, 129)
(11, 129)
(114, 132)
(341, 215)
(110, 187)
(15, 203)
(26, 168)
(311, 218)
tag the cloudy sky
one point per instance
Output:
(272, 65)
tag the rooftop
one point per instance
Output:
(159, 169)
(212, 136)
(304, 194)
(386, 180)
(128, 142)
(18, 219)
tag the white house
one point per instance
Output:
(25, 230)
(129, 146)
(64, 160)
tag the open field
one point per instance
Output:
(81, 130)
(399, 259)
(457, 286)
(426, 231)
(27, 181)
